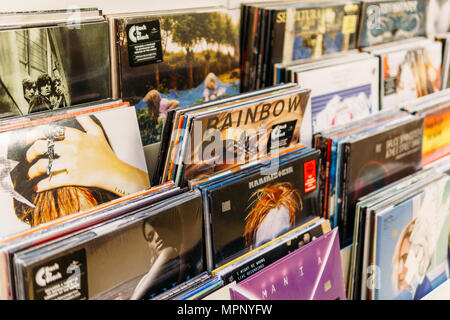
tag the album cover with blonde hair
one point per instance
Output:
(411, 244)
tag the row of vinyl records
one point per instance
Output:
(80, 220)
(239, 181)
(161, 60)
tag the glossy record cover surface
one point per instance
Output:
(177, 60)
(392, 155)
(253, 131)
(136, 258)
(387, 21)
(248, 212)
(312, 272)
(55, 67)
(412, 244)
(56, 168)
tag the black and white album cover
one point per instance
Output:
(55, 67)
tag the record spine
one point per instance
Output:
(343, 181)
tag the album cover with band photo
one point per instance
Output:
(56, 168)
(55, 67)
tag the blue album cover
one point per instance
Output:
(411, 245)
(386, 21)
(341, 106)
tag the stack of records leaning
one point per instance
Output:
(363, 156)
(275, 32)
(246, 208)
(52, 60)
(384, 21)
(401, 238)
(65, 170)
(205, 139)
(311, 272)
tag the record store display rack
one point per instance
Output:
(195, 153)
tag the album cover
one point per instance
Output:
(436, 133)
(391, 20)
(249, 211)
(54, 168)
(257, 260)
(244, 133)
(71, 224)
(312, 272)
(313, 32)
(54, 67)
(410, 73)
(374, 161)
(341, 92)
(170, 141)
(412, 244)
(134, 257)
(174, 60)
(396, 191)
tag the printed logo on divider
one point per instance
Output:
(310, 175)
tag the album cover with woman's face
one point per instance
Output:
(232, 137)
(374, 162)
(55, 168)
(134, 257)
(257, 208)
(408, 74)
(54, 67)
(412, 244)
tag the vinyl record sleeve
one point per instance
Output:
(312, 272)
(257, 260)
(246, 133)
(176, 59)
(407, 272)
(183, 136)
(391, 20)
(287, 194)
(71, 224)
(56, 167)
(148, 251)
(410, 73)
(342, 92)
(436, 133)
(54, 67)
(392, 192)
(395, 153)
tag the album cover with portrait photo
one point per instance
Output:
(55, 67)
(134, 257)
(250, 210)
(54, 168)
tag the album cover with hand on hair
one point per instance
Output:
(53, 168)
